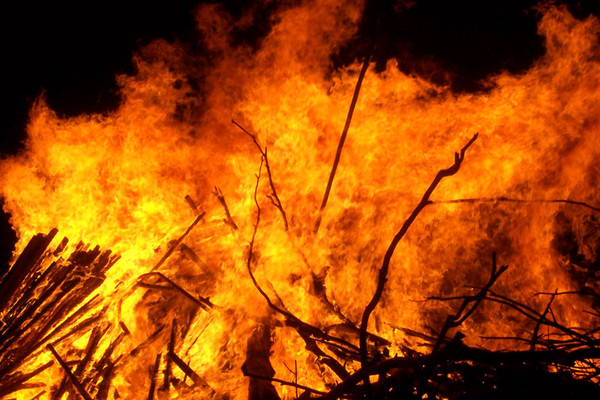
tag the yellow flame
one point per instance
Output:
(120, 179)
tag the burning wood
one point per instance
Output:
(216, 299)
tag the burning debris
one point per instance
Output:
(238, 278)
(45, 300)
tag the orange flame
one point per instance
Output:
(120, 180)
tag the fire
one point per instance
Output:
(120, 180)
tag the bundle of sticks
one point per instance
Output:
(43, 300)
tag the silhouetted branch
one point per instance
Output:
(458, 159)
(513, 200)
(305, 330)
(285, 383)
(469, 304)
(274, 197)
(534, 335)
(338, 152)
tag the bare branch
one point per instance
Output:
(463, 313)
(274, 197)
(458, 159)
(285, 383)
(534, 336)
(304, 330)
(338, 153)
(512, 200)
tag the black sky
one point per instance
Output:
(73, 52)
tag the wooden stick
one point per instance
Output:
(146, 341)
(187, 370)
(167, 371)
(125, 328)
(286, 383)
(219, 195)
(104, 386)
(12, 385)
(513, 200)
(178, 242)
(67, 370)
(340, 147)
(28, 259)
(191, 203)
(274, 197)
(153, 381)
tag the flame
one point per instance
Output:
(120, 180)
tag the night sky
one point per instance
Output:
(73, 52)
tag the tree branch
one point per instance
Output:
(273, 197)
(458, 159)
(338, 153)
(512, 200)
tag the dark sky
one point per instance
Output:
(74, 52)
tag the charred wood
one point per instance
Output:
(167, 371)
(219, 195)
(70, 374)
(153, 374)
(189, 372)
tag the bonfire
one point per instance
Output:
(251, 224)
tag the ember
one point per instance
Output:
(453, 254)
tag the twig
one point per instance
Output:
(458, 159)
(296, 375)
(167, 371)
(463, 313)
(178, 242)
(67, 370)
(535, 316)
(219, 195)
(125, 328)
(274, 197)
(534, 336)
(467, 354)
(275, 200)
(285, 383)
(512, 200)
(338, 152)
